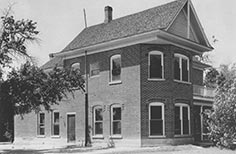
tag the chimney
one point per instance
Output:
(108, 14)
(51, 55)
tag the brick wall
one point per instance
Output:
(197, 76)
(126, 94)
(167, 91)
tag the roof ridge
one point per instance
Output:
(119, 18)
(158, 17)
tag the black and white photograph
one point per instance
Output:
(117, 76)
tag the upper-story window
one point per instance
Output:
(156, 65)
(181, 68)
(75, 66)
(94, 69)
(115, 68)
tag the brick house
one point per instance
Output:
(145, 86)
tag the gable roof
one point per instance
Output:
(159, 17)
(147, 21)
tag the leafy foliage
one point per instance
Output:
(222, 120)
(14, 36)
(30, 87)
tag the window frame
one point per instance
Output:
(181, 57)
(95, 121)
(75, 65)
(163, 118)
(155, 52)
(181, 105)
(53, 124)
(111, 66)
(112, 120)
(39, 125)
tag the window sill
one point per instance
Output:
(158, 137)
(115, 82)
(182, 136)
(98, 137)
(116, 137)
(41, 136)
(184, 82)
(149, 79)
(55, 136)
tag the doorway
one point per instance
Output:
(71, 128)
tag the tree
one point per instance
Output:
(14, 36)
(29, 88)
(222, 120)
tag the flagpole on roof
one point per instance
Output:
(86, 91)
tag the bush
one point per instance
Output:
(222, 120)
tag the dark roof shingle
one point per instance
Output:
(152, 19)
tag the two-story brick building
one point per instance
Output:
(145, 87)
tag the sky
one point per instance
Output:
(59, 21)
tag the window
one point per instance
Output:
(98, 121)
(41, 124)
(155, 63)
(56, 123)
(181, 68)
(75, 66)
(156, 119)
(94, 69)
(115, 68)
(182, 119)
(116, 120)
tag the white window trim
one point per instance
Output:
(52, 124)
(111, 66)
(75, 66)
(181, 105)
(162, 63)
(115, 135)
(163, 118)
(94, 121)
(38, 124)
(180, 56)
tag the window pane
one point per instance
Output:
(41, 118)
(176, 68)
(117, 113)
(156, 127)
(56, 117)
(155, 66)
(41, 131)
(156, 112)
(185, 121)
(98, 114)
(184, 69)
(177, 120)
(116, 127)
(56, 130)
(98, 128)
(116, 69)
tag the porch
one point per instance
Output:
(203, 99)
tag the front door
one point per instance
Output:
(71, 128)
